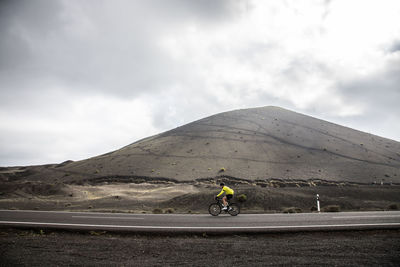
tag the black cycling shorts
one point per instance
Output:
(229, 196)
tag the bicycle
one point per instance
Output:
(216, 208)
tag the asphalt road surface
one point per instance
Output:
(224, 223)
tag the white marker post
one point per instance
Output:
(319, 210)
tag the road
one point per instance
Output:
(223, 223)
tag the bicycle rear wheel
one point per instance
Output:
(234, 209)
(214, 209)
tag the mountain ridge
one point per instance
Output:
(254, 144)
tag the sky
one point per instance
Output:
(83, 78)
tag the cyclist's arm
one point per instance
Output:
(222, 191)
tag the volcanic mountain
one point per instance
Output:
(253, 144)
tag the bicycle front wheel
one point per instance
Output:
(234, 209)
(214, 209)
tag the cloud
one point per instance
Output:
(378, 95)
(110, 47)
(81, 78)
(395, 47)
(57, 55)
(74, 128)
(22, 23)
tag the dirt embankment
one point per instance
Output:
(39, 248)
(195, 196)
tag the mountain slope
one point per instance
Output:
(254, 144)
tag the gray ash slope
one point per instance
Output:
(254, 144)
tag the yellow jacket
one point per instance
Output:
(227, 190)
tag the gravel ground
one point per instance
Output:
(347, 248)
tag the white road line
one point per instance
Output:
(202, 227)
(106, 213)
(101, 217)
(365, 216)
(340, 215)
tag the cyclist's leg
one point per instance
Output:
(228, 198)
(225, 201)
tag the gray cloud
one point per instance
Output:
(395, 47)
(21, 22)
(77, 62)
(53, 53)
(82, 43)
(379, 95)
(327, 4)
(200, 11)
(380, 91)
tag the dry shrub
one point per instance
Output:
(169, 210)
(242, 198)
(97, 233)
(332, 208)
(313, 208)
(157, 211)
(292, 210)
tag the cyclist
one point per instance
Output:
(228, 195)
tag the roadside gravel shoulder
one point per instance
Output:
(347, 248)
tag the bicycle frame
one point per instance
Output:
(221, 203)
(235, 211)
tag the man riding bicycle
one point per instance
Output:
(228, 195)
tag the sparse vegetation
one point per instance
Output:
(157, 211)
(222, 169)
(169, 210)
(292, 210)
(331, 208)
(263, 195)
(242, 198)
(313, 209)
(96, 233)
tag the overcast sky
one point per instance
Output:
(82, 78)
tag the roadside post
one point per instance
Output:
(318, 207)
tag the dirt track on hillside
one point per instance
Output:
(39, 248)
